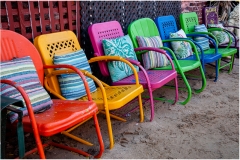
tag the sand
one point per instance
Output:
(206, 127)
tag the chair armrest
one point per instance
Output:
(214, 42)
(116, 58)
(6, 101)
(76, 70)
(186, 40)
(231, 26)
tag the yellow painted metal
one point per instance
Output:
(106, 97)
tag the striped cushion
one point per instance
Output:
(203, 42)
(152, 59)
(23, 72)
(71, 85)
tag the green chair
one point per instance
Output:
(190, 19)
(146, 27)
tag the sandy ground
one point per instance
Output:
(206, 127)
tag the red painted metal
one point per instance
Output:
(33, 18)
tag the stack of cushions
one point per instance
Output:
(221, 36)
(203, 42)
(182, 49)
(23, 72)
(152, 59)
(71, 85)
(122, 47)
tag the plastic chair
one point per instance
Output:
(63, 114)
(210, 16)
(147, 28)
(150, 79)
(167, 25)
(189, 20)
(106, 97)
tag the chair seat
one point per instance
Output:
(61, 116)
(117, 96)
(209, 56)
(185, 65)
(157, 78)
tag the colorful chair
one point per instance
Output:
(167, 25)
(147, 28)
(189, 20)
(150, 79)
(210, 16)
(106, 97)
(63, 114)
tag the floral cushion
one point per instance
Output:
(221, 36)
(152, 59)
(23, 72)
(203, 42)
(182, 49)
(123, 47)
(71, 85)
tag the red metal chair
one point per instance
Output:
(63, 114)
(150, 79)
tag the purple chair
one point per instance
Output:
(210, 16)
(150, 79)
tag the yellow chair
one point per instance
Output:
(106, 97)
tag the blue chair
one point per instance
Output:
(167, 25)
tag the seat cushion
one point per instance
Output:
(152, 59)
(23, 72)
(182, 49)
(203, 42)
(71, 85)
(122, 47)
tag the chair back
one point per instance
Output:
(14, 45)
(166, 25)
(100, 31)
(142, 27)
(188, 21)
(52, 44)
(210, 15)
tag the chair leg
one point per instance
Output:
(140, 108)
(176, 90)
(151, 102)
(231, 63)
(100, 140)
(110, 134)
(189, 90)
(204, 81)
(217, 70)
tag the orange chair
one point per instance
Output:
(106, 97)
(63, 114)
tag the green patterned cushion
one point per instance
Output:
(182, 49)
(122, 47)
(152, 59)
(71, 85)
(23, 72)
(221, 36)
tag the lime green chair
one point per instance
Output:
(190, 19)
(146, 27)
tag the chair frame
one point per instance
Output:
(171, 53)
(113, 29)
(104, 105)
(14, 45)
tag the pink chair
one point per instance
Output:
(150, 79)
